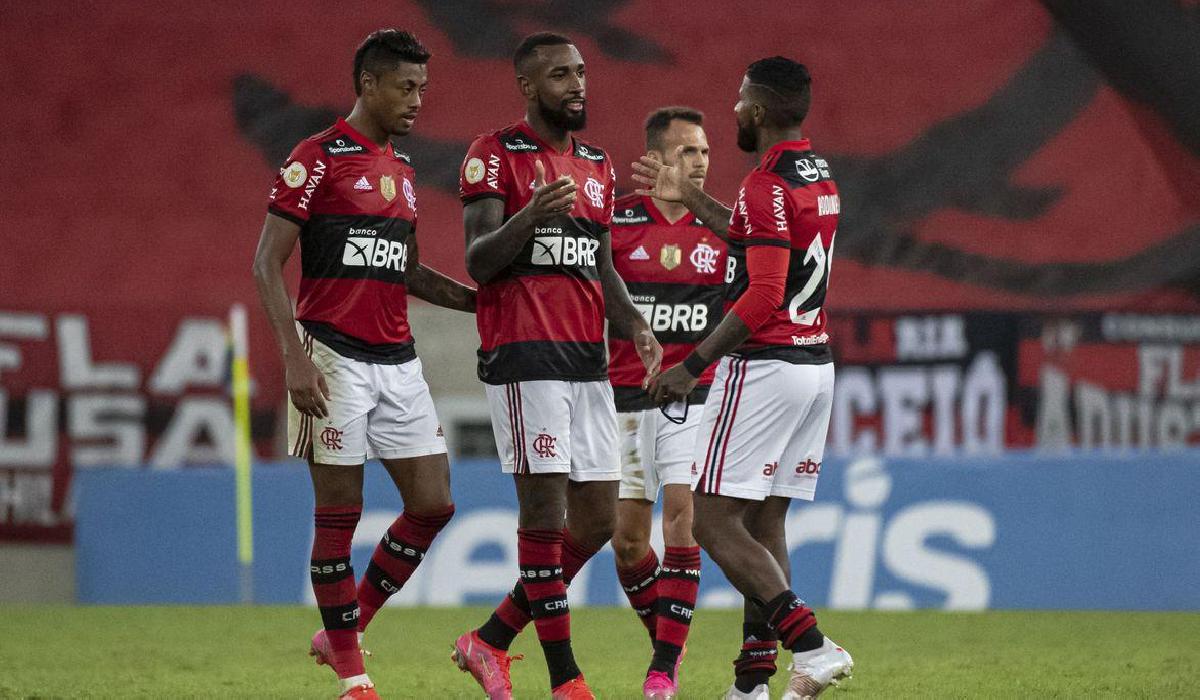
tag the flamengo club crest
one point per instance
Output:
(543, 444)
(670, 256)
(331, 438)
(704, 258)
(387, 187)
(594, 191)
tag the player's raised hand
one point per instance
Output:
(307, 388)
(661, 181)
(550, 199)
(651, 353)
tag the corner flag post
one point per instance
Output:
(239, 369)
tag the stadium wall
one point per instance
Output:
(1075, 532)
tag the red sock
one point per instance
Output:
(513, 615)
(396, 558)
(539, 555)
(333, 585)
(794, 621)
(678, 584)
(640, 583)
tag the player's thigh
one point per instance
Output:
(423, 482)
(541, 500)
(336, 484)
(340, 437)
(532, 425)
(800, 466)
(404, 423)
(595, 438)
(592, 510)
(633, 463)
(748, 421)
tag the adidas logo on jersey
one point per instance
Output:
(639, 254)
(362, 185)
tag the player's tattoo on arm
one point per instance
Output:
(434, 287)
(492, 243)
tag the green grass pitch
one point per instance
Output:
(259, 652)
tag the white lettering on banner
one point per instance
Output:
(1164, 412)
(26, 498)
(941, 337)
(39, 449)
(109, 430)
(75, 360)
(196, 358)
(201, 431)
(967, 409)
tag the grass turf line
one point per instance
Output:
(259, 652)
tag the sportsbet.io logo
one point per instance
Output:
(362, 251)
(551, 247)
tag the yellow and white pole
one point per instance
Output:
(240, 371)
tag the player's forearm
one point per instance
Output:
(272, 292)
(436, 288)
(712, 213)
(489, 253)
(728, 336)
(625, 321)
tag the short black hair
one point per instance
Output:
(530, 44)
(384, 50)
(660, 120)
(788, 90)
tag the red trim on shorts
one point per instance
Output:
(737, 400)
(706, 476)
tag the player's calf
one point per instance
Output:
(396, 557)
(333, 586)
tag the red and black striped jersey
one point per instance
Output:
(790, 200)
(675, 273)
(356, 207)
(543, 316)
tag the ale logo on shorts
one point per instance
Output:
(543, 444)
(331, 438)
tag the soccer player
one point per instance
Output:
(674, 269)
(538, 206)
(762, 436)
(352, 373)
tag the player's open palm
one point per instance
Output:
(550, 199)
(307, 388)
(659, 180)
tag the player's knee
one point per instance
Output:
(596, 532)
(629, 548)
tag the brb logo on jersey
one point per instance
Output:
(364, 249)
(551, 247)
(704, 259)
(686, 318)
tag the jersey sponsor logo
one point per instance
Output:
(361, 251)
(342, 146)
(770, 469)
(493, 172)
(594, 191)
(387, 187)
(473, 171)
(804, 340)
(409, 194)
(807, 467)
(543, 444)
(551, 247)
(639, 253)
(363, 185)
(670, 256)
(778, 210)
(331, 438)
(807, 170)
(686, 318)
(704, 259)
(585, 152)
(516, 143)
(631, 216)
(313, 180)
(294, 174)
(828, 205)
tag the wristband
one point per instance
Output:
(695, 365)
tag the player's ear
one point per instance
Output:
(367, 80)
(525, 85)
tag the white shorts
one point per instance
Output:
(763, 431)
(560, 427)
(656, 451)
(375, 411)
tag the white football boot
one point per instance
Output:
(814, 671)
(760, 692)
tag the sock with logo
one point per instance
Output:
(513, 615)
(640, 583)
(333, 585)
(678, 584)
(396, 557)
(755, 665)
(794, 622)
(539, 554)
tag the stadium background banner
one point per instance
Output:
(995, 157)
(1016, 532)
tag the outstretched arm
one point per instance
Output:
(492, 243)
(668, 183)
